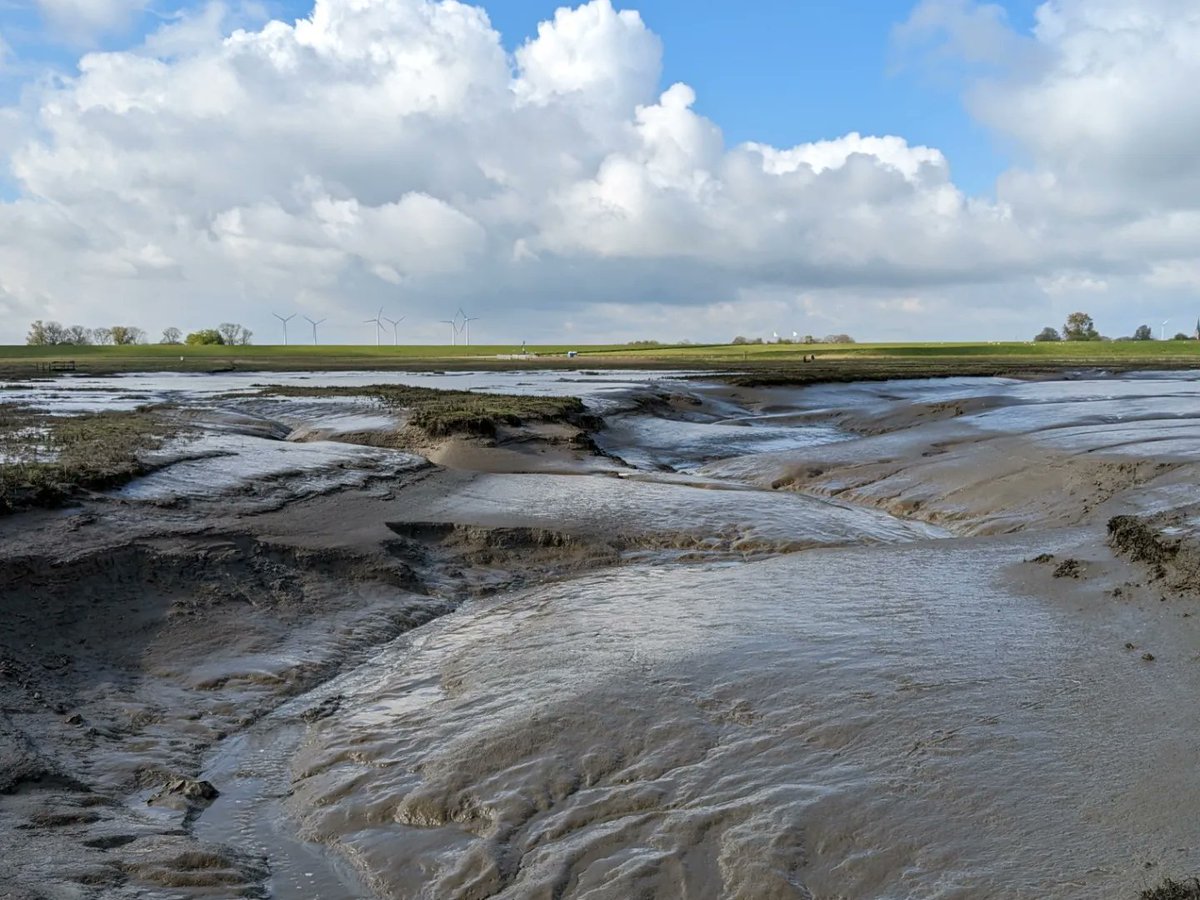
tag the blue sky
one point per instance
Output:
(785, 72)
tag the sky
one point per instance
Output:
(931, 170)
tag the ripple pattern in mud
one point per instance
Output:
(802, 726)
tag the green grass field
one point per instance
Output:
(937, 358)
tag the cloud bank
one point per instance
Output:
(391, 152)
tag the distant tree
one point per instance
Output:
(47, 334)
(171, 335)
(1143, 333)
(205, 336)
(1180, 336)
(809, 339)
(102, 335)
(233, 333)
(78, 335)
(127, 334)
(838, 339)
(1047, 334)
(1080, 327)
(739, 340)
(38, 335)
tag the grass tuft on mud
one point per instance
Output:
(1170, 889)
(45, 460)
(437, 413)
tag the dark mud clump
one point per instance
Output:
(1132, 538)
(185, 792)
(1069, 568)
(1167, 545)
(1170, 889)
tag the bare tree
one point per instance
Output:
(171, 335)
(102, 335)
(77, 334)
(232, 333)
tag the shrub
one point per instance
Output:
(204, 337)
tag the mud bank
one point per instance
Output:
(702, 640)
(150, 624)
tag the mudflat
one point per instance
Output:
(606, 634)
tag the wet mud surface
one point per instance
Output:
(907, 639)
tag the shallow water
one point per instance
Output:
(650, 442)
(219, 463)
(92, 393)
(695, 516)
(238, 439)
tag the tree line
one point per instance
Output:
(55, 334)
(1081, 327)
(807, 339)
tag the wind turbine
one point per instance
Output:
(314, 323)
(284, 320)
(1162, 334)
(467, 320)
(453, 330)
(378, 325)
(395, 323)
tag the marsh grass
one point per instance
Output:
(45, 460)
(437, 413)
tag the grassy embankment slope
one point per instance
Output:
(782, 361)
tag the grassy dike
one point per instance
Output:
(840, 361)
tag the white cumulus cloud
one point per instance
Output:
(393, 152)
